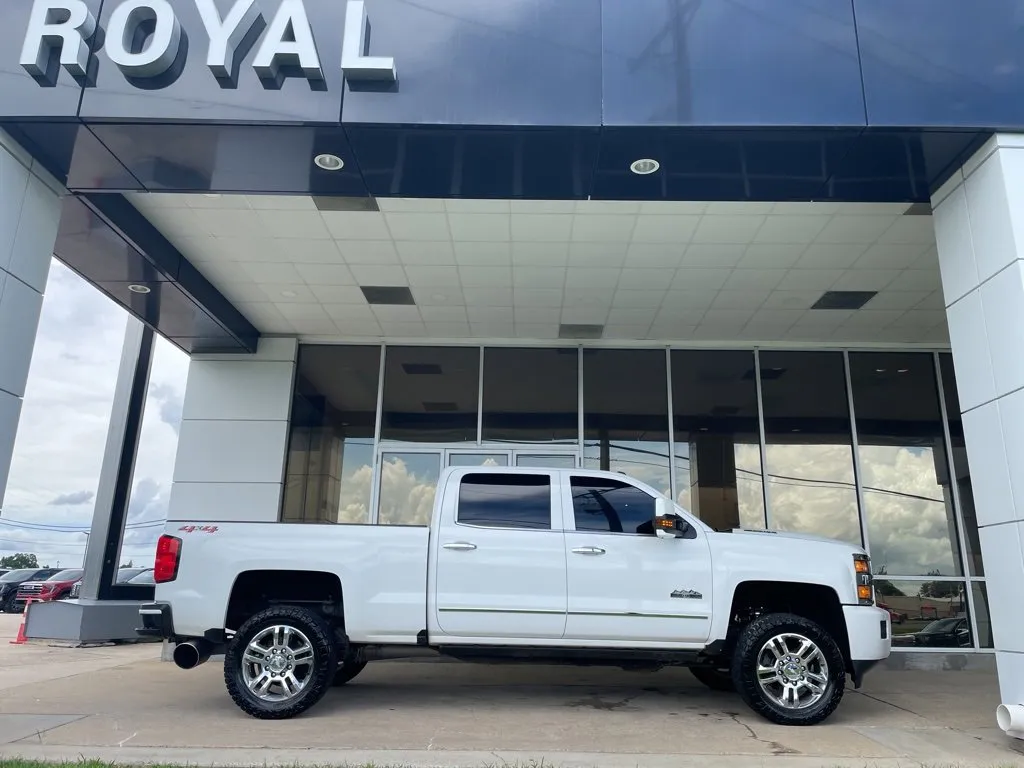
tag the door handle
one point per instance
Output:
(588, 551)
(461, 546)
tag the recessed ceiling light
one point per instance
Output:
(902, 370)
(289, 294)
(879, 370)
(329, 162)
(645, 166)
(142, 289)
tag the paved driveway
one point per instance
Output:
(123, 703)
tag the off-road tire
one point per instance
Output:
(715, 679)
(347, 671)
(325, 655)
(744, 668)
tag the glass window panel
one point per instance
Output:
(926, 614)
(625, 414)
(717, 438)
(960, 467)
(477, 460)
(408, 482)
(982, 616)
(611, 506)
(908, 502)
(506, 501)
(329, 474)
(431, 394)
(551, 461)
(809, 450)
(531, 395)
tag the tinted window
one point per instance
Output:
(506, 501)
(961, 469)
(68, 575)
(431, 394)
(18, 575)
(601, 504)
(146, 577)
(539, 407)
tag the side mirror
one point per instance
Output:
(667, 524)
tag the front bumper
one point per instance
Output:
(156, 621)
(869, 630)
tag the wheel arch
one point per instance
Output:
(255, 590)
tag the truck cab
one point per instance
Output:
(556, 565)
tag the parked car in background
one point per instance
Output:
(10, 582)
(55, 587)
(144, 578)
(124, 576)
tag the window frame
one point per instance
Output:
(553, 481)
(572, 475)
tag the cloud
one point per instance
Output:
(72, 499)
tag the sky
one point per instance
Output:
(63, 429)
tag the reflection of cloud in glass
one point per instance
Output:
(407, 489)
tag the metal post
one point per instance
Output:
(116, 473)
(763, 446)
(858, 476)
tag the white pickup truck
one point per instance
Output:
(546, 566)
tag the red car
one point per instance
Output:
(54, 588)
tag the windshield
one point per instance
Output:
(146, 577)
(943, 625)
(127, 574)
(24, 573)
(71, 574)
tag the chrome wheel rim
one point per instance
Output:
(278, 663)
(792, 671)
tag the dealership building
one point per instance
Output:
(762, 256)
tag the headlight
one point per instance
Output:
(865, 581)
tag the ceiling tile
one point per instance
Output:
(710, 255)
(921, 318)
(230, 223)
(443, 330)
(338, 294)
(726, 318)
(902, 300)
(806, 209)
(359, 328)
(396, 314)
(592, 315)
(543, 206)
(831, 255)
(665, 229)
(787, 299)
(487, 297)
(417, 226)
(315, 327)
(403, 330)
(369, 252)
(429, 276)
(639, 279)
(356, 225)
(539, 277)
(917, 280)
(243, 292)
(892, 256)
(224, 272)
(537, 314)
(874, 209)
(809, 279)
(855, 229)
(632, 316)
(302, 251)
(537, 297)
(672, 208)
(770, 256)
(830, 318)
(289, 224)
(872, 318)
(349, 312)
(425, 253)
(650, 299)
(746, 301)
(465, 205)
(296, 312)
(934, 300)
(492, 330)
(541, 228)
(691, 279)
(210, 201)
(776, 318)
(273, 273)
(928, 260)
(196, 248)
(754, 279)
(809, 333)
(490, 315)
(679, 317)
(607, 207)
(865, 280)
(738, 208)
(536, 330)
(603, 229)
(288, 294)
(444, 314)
(910, 229)
(604, 277)
(480, 227)
(439, 297)
(281, 202)
(485, 277)
(653, 255)
(728, 229)
(410, 205)
(597, 254)
(540, 254)
(367, 274)
(483, 254)
(582, 297)
(264, 315)
(626, 331)
(688, 300)
(325, 274)
(791, 229)
(673, 332)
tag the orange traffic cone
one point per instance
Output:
(21, 639)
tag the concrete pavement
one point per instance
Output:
(124, 705)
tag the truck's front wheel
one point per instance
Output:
(789, 669)
(280, 662)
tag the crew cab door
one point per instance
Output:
(625, 583)
(498, 561)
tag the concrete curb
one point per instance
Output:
(238, 757)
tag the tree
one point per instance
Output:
(885, 588)
(20, 560)
(127, 565)
(940, 589)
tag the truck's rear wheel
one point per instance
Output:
(715, 679)
(280, 662)
(788, 669)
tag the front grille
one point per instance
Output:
(30, 589)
